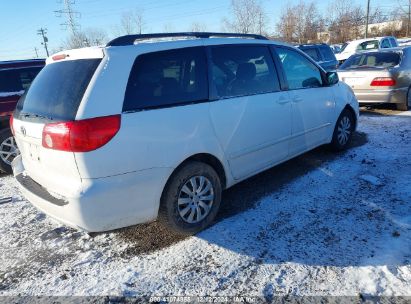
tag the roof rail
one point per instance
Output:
(130, 39)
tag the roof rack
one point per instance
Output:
(130, 39)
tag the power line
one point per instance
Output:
(43, 33)
(70, 15)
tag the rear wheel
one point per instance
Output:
(191, 198)
(343, 131)
(407, 105)
(8, 150)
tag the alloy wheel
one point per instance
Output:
(8, 150)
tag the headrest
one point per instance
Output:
(246, 71)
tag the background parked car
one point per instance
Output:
(368, 44)
(15, 78)
(404, 42)
(380, 76)
(336, 48)
(322, 54)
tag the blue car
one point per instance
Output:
(322, 54)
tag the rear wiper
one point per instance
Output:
(31, 115)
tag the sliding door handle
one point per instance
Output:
(282, 100)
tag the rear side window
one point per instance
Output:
(372, 60)
(393, 42)
(312, 52)
(57, 91)
(327, 53)
(167, 78)
(17, 80)
(243, 70)
(299, 71)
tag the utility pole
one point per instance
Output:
(367, 19)
(406, 12)
(36, 50)
(409, 18)
(43, 33)
(71, 16)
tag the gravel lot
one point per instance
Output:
(321, 224)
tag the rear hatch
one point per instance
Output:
(370, 71)
(54, 96)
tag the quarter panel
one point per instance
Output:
(161, 138)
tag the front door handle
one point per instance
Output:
(297, 99)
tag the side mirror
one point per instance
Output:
(332, 78)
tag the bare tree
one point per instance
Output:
(405, 10)
(198, 27)
(132, 23)
(248, 16)
(345, 20)
(168, 27)
(88, 37)
(300, 23)
(286, 26)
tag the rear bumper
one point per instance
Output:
(381, 96)
(103, 204)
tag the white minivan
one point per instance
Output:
(158, 125)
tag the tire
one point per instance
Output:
(405, 106)
(343, 131)
(181, 208)
(8, 150)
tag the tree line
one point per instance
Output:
(302, 22)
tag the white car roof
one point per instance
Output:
(154, 44)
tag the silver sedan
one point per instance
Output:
(380, 77)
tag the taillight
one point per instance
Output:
(11, 124)
(81, 135)
(383, 82)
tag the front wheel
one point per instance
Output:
(343, 131)
(191, 198)
(8, 150)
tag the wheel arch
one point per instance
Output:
(208, 159)
(349, 108)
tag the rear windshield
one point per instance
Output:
(372, 60)
(56, 92)
(312, 52)
(368, 45)
(327, 53)
(17, 80)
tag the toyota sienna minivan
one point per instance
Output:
(156, 126)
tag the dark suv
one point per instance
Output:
(322, 54)
(15, 78)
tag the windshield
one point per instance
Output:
(344, 46)
(373, 60)
(56, 92)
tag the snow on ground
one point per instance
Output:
(321, 224)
